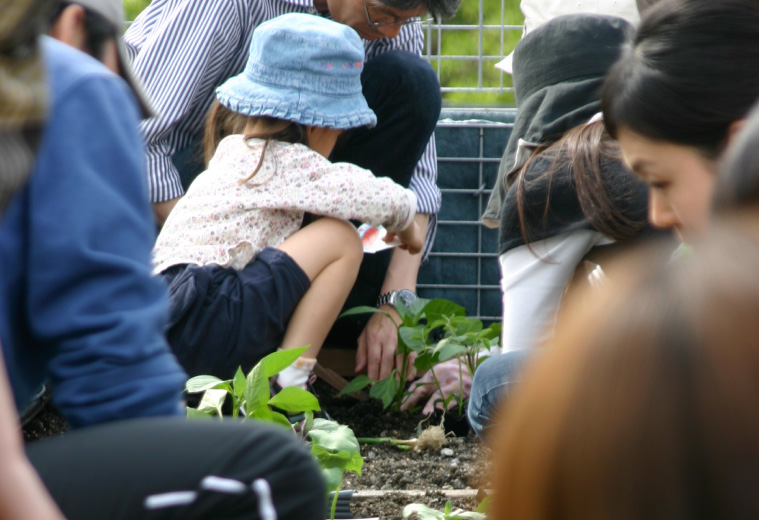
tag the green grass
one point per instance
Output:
(460, 43)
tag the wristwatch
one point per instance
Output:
(393, 297)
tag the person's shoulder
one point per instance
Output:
(73, 75)
(64, 62)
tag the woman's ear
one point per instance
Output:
(68, 27)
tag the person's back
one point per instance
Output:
(75, 248)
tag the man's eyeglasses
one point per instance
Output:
(389, 20)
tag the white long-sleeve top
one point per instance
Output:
(533, 283)
(224, 221)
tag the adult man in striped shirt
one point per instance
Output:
(183, 49)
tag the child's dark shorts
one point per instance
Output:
(221, 318)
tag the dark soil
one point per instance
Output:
(47, 423)
(459, 465)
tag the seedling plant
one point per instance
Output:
(464, 339)
(333, 445)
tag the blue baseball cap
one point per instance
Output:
(302, 68)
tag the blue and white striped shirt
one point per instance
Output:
(183, 49)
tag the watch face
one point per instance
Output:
(405, 296)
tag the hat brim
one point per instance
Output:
(250, 98)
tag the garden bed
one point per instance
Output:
(431, 477)
(391, 478)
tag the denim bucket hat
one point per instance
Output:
(302, 68)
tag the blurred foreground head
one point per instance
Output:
(644, 406)
(23, 89)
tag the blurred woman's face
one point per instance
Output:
(680, 179)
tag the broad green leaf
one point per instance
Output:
(330, 458)
(277, 361)
(355, 464)
(446, 350)
(257, 391)
(212, 400)
(193, 413)
(425, 361)
(468, 326)
(333, 477)
(278, 418)
(411, 314)
(492, 332)
(362, 309)
(483, 506)
(199, 384)
(294, 399)
(359, 382)
(266, 415)
(385, 389)
(412, 337)
(239, 383)
(432, 325)
(332, 435)
(437, 308)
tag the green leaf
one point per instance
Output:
(422, 512)
(359, 382)
(411, 314)
(334, 436)
(492, 332)
(277, 361)
(362, 309)
(330, 458)
(266, 415)
(333, 477)
(483, 506)
(239, 383)
(425, 361)
(355, 464)
(212, 400)
(294, 399)
(385, 389)
(468, 326)
(412, 337)
(447, 349)
(437, 308)
(257, 391)
(199, 384)
(193, 413)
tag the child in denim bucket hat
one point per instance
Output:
(245, 275)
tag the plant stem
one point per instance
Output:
(334, 501)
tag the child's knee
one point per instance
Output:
(348, 240)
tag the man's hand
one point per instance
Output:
(377, 345)
(447, 374)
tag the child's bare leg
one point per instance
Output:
(330, 253)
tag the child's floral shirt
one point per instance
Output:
(224, 221)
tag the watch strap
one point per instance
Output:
(386, 298)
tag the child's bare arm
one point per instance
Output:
(411, 238)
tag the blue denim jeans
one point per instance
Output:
(492, 382)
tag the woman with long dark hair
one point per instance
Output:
(677, 96)
(564, 196)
